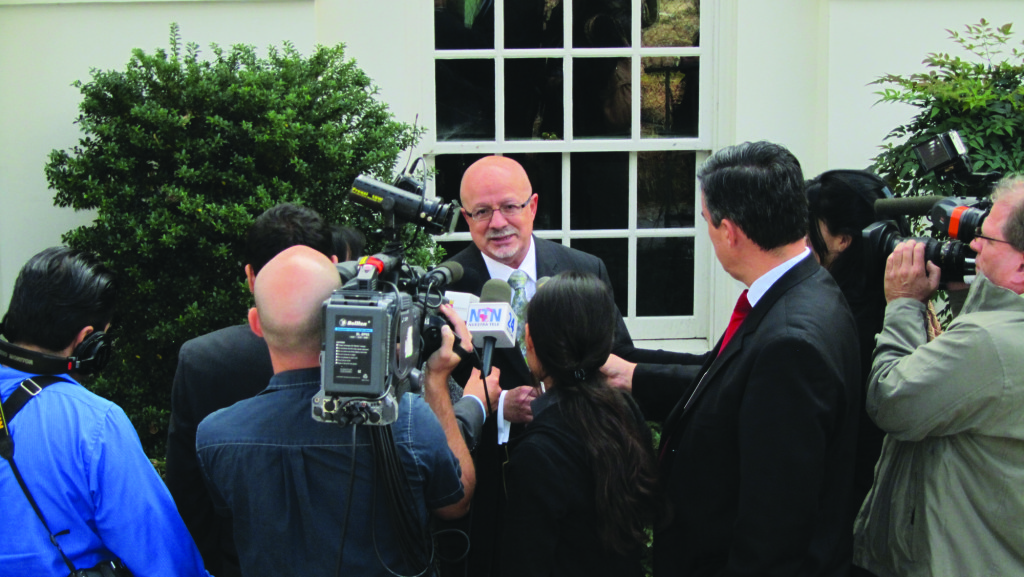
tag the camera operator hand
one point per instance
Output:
(908, 274)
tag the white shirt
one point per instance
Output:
(759, 287)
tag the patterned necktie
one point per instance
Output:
(518, 283)
(738, 314)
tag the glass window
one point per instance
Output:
(600, 101)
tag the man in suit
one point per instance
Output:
(218, 369)
(500, 206)
(757, 454)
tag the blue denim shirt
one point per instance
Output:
(82, 461)
(284, 478)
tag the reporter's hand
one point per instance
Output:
(909, 275)
(461, 330)
(517, 404)
(619, 373)
(475, 387)
(444, 359)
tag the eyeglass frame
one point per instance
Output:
(989, 238)
(518, 210)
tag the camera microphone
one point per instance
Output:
(442, 275)
(492, 321)
(910, 206)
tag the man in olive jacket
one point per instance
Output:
(947, 497)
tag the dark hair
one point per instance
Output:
(845, 201)
(760, 187)
(284, 226)
(59, 292)
(348, 242)
(572, 323)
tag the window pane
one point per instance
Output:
(533, 98)
(601, 93)
(664, 284)
(533, 23)
(614, 253)
(463, 24)
(669, 88)
(600, 190)
(601, 23)
(677, 23)
(543, 170)
(665, 190)
(465, 99)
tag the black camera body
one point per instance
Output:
(383, 322)
(956, 220)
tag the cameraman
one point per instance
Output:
(303, 494)
(78, 454)
(947, 496)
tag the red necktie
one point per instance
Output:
(738, 314)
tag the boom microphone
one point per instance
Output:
(492, 321)
(910, 206)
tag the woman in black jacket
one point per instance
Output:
(841, 204)
(581, 480)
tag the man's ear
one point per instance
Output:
(730, 231)
(334, 258)
(844, 242)
(465, 215)
(254, 322)
(250, 277)
(81, 336)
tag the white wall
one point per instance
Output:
(871, 38)
(44, 48)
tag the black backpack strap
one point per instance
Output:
(28, 389)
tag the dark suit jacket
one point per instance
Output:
(215, 370)
(758, 464)
(486, 520)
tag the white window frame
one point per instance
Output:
(662, 328)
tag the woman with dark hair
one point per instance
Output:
(582, 479)
(841, 204)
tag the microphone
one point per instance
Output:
(492, 321)
(542, 280)
(442, 275)
(911, 206)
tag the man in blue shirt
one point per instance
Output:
(303, 495)
(79, 456)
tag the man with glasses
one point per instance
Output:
(500, 207)
(947, 496)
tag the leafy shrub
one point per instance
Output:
(983, 100)
(179, 155)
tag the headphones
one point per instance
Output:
(89, 357)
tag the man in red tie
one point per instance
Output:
(757, 453)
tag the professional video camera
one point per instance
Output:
(383, 323)
(957, 218)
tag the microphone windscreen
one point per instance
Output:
(496, 291)
(456, 270)
(911, 206)
(542, 281)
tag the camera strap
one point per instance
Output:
(27, 391)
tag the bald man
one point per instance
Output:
(500, 206)
(285, 478)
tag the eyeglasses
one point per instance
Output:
(507, 210)
(990, 239)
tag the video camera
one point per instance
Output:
(957, 218)
(383, 323)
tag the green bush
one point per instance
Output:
(983, 100)
(178, 157)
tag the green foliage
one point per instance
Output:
(179, 155)
(983, 100)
